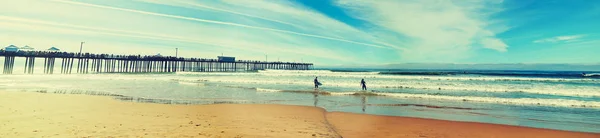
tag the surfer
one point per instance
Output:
(363, 84)
(316, 83)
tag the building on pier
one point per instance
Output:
(226, 59)
(53, 49)
(27, 48)
(11, 48)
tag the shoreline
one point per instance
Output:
(30, 114)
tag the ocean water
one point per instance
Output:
(543, 99)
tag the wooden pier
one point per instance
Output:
(108, 63)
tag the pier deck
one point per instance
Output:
(109, 63)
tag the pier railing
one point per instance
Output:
(99, 63)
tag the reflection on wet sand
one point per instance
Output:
(363, 101)
(316, 98)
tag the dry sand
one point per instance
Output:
(26, 114)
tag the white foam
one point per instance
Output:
(267, 90)
(191, 83)
(217, 73)
(514, 101)
(327, 73)
(550, 86)
(342, 93)
(429, 84)
(591, 75)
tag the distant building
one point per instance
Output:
(11, 48)
(53, 49)
(27, 48)
(226, 59)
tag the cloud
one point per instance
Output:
(192, 4)
(242, 45)
(435, 30)
(222, 23)
(557, 39)
(143, 30)
(393, 31)
(494, 44)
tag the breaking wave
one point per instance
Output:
(508, 101)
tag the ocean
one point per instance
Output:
(563, 100)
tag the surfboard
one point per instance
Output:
(319, 83)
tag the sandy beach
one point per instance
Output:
(365, 126)
(28, 114)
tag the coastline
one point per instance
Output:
(29, 114)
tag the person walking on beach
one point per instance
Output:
(363, 84)
(316, 83)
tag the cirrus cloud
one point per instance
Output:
(566, 38)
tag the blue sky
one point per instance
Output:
(325, 32)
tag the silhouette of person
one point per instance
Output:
(363, 84)
(316, 83)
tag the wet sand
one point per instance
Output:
(27, 114)
(352, 125)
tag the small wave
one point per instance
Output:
(361, 93)
(256, 89)
(427, 106)
(294, 91)
(314, 73)
(348, 70)
(514, 101)
(422, 105)
(191, 83)
(513, 73)
(342, 93)
(294, 71)
(419, 73)
(241, 87)
(320, 92)
(181, 101)
(267, 90)
(476, 85)
(215, 73)
(592, 75)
